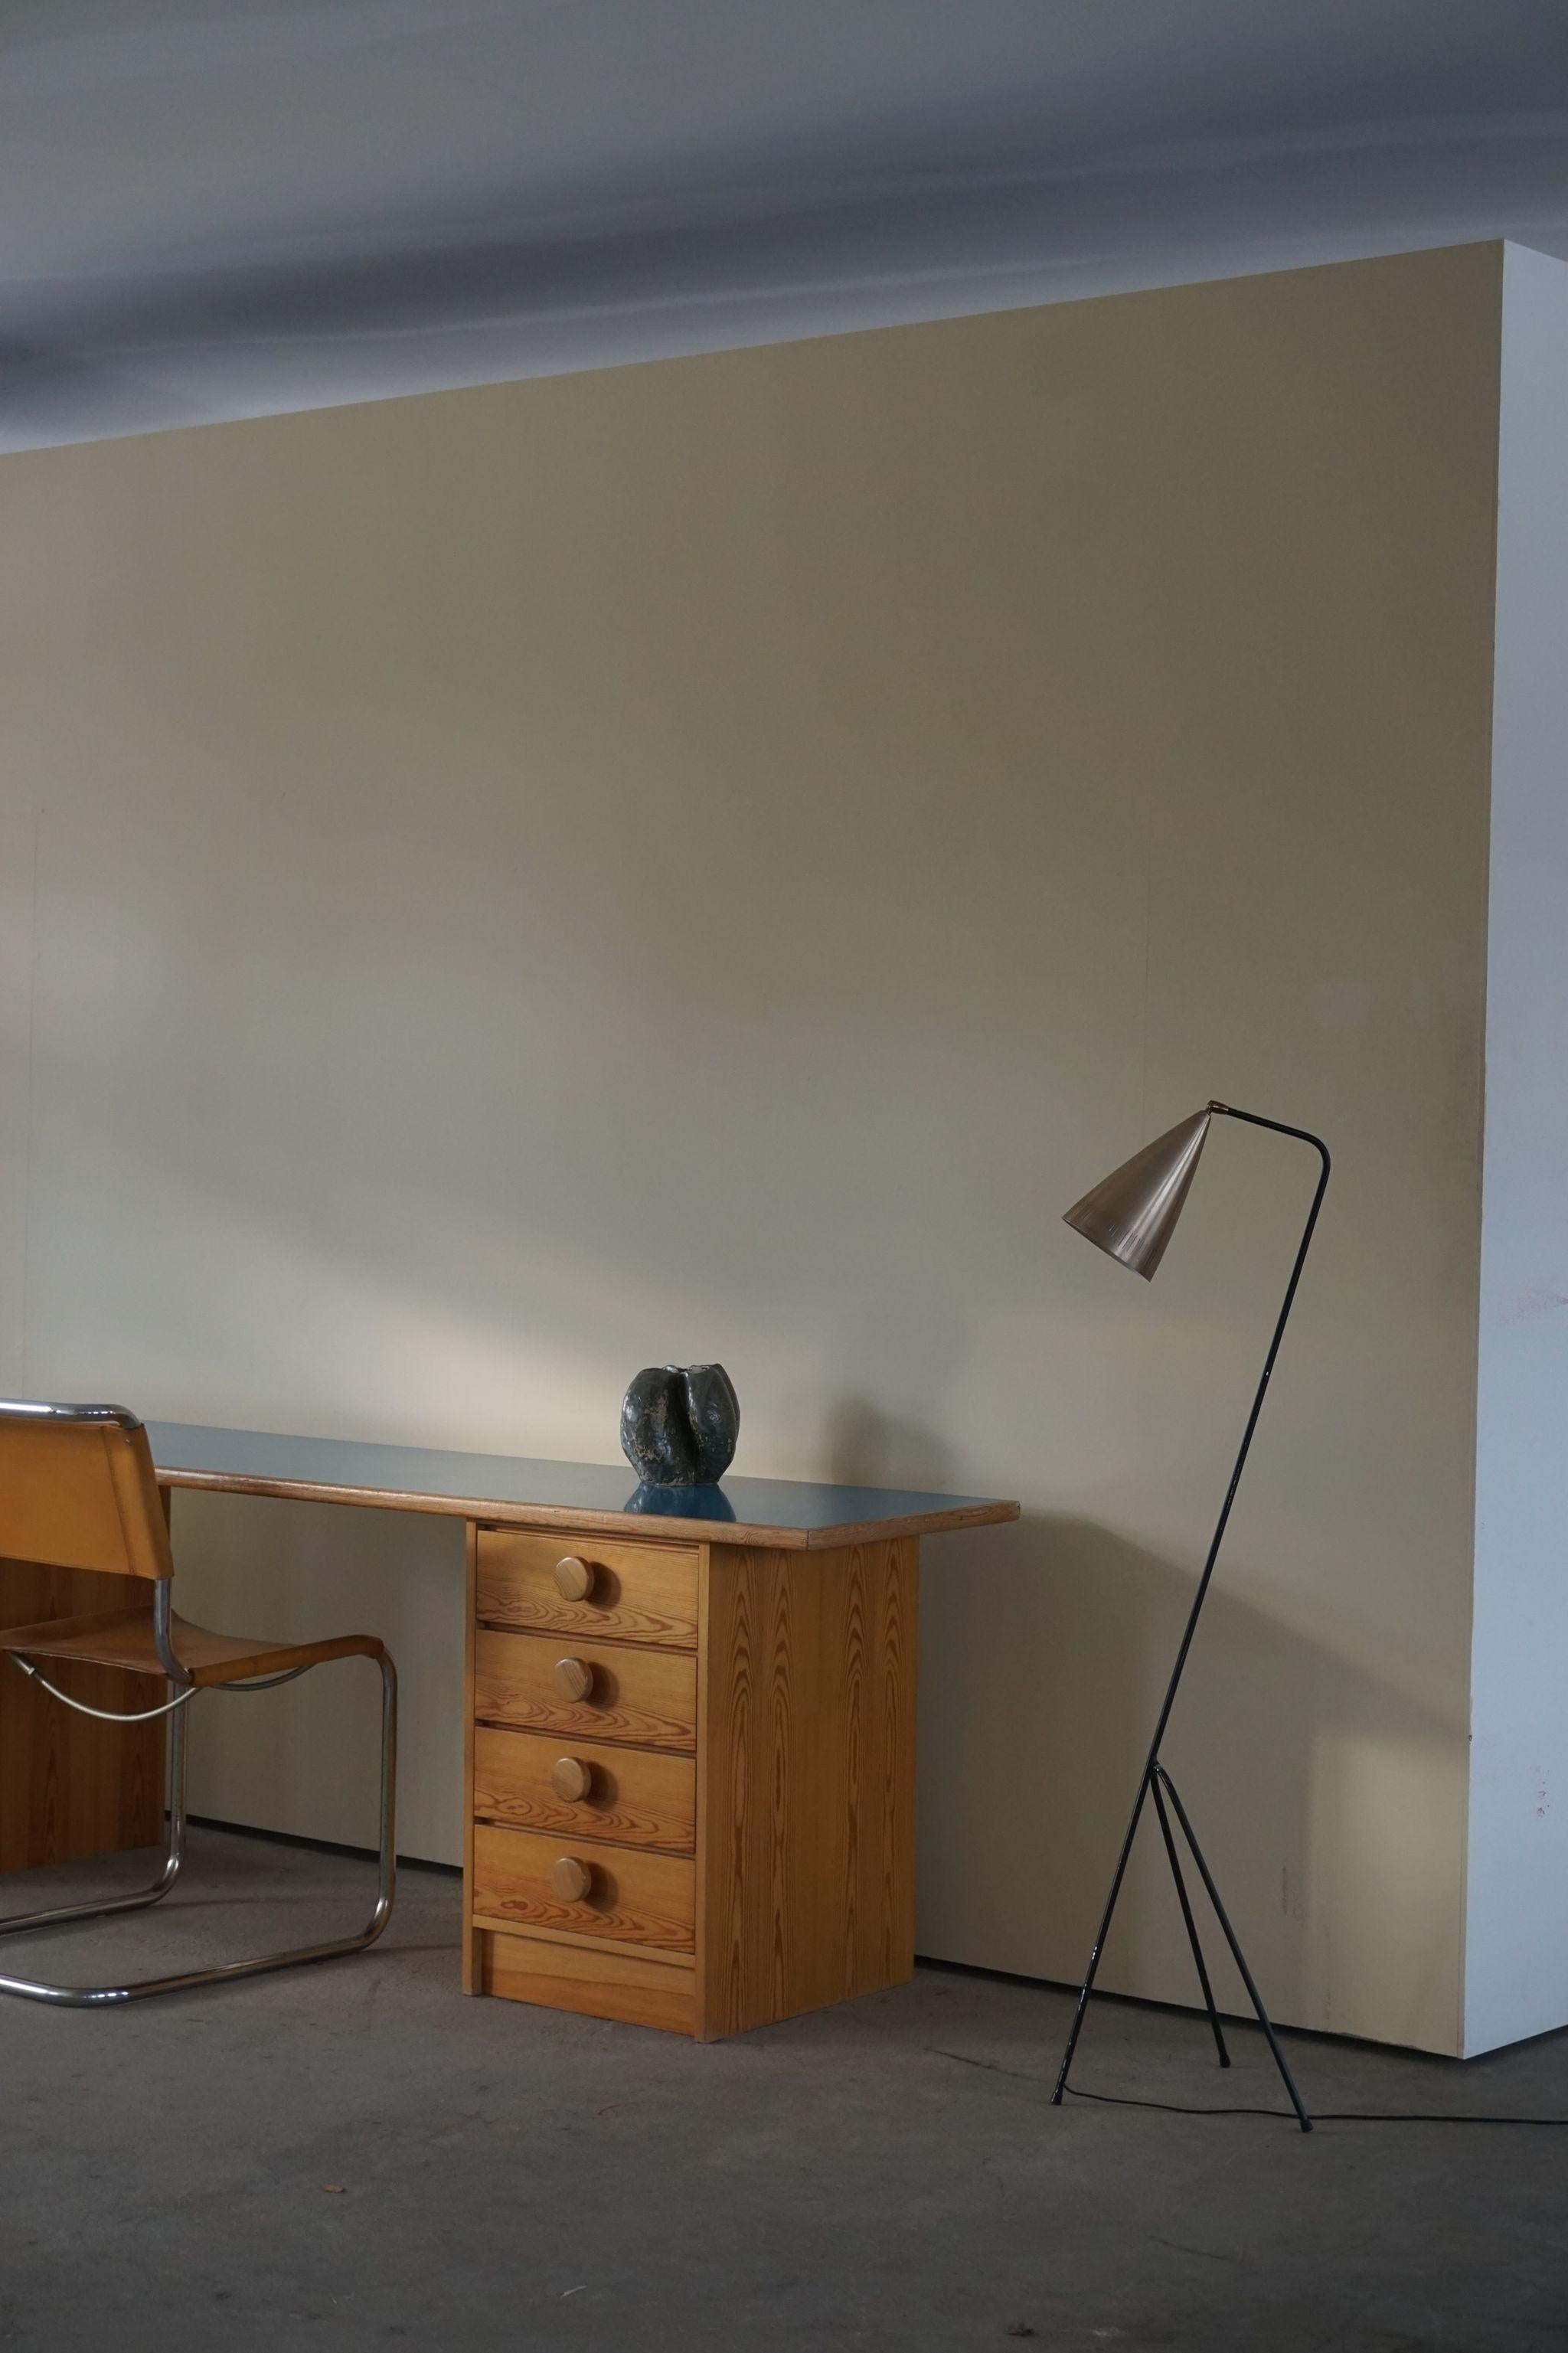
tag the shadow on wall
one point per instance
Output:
(301, 1760)
(868, 1447)
(1318, 1791)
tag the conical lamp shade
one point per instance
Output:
(1131, 1214)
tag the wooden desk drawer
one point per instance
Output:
(633, 1897)
(649, 1697)
(635, 1593)
(634, 1797)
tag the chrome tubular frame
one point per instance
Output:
(116, 1714)
(41, 1411)
(103, 1997)
(163, 1633)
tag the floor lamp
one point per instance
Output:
(1130, 1215)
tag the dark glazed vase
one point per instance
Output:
(679, 1424)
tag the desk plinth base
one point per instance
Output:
(597, 1981)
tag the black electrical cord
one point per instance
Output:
(1320, 2116)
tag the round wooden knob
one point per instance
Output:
(571, 1879)
(571, 1778)
(574, 1579)
(573, 1678)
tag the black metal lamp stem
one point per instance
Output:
(1153, 1773)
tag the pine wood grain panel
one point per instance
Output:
(640, 1593)
(634, 1990)
(473, 1943)
(637, 1797)
(71, 1788)
(637, 1897)
(660, 1954)
(806, 1780)
(646, 1697)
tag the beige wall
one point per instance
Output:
(708, 859)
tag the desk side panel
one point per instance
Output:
(806, 1779)
(473, 1939)
(70, 1786)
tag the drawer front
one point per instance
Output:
(649, 1697)
(633, 1897)
(634, 1797)
(635, 1593)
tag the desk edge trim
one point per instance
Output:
(487, 1512)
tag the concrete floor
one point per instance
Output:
(353, 2156)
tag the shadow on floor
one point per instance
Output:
(353, 2156)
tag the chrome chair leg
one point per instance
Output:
(105, 1997)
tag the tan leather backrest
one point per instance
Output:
(77, 1491)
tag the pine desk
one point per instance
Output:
(689, 1721)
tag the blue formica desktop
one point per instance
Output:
(690, 1723)
(515, 1491)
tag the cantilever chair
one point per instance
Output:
(77, 1491)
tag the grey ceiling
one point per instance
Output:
(217, 207)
